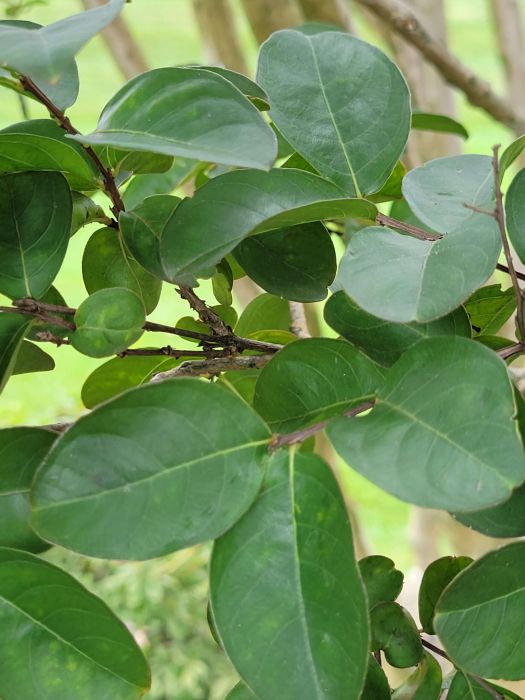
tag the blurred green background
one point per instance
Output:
(164, 601)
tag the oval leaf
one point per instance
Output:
(382, 581)
(376, 684)
(31, 358)
(489, 308)
(504, 520)
(436, 578)
(442, 433)
(515, 211)
(13, 328)
(141, 468)
(423, 684)
(289, 562)
(395, 632)
(438, 122)
(265, 312)
(465, 687)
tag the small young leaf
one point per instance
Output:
(489, 308)
(222, 283)
(13, 328)
(265, 312)
(376, 683)
(31, 358)
(382, 581)
(108, 322)
(424, 683)
(395, 632)
(85, 211)
(438, 122)
(436, 578)
(515, 211)
(509, 155)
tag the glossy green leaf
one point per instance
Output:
(438, 122)
(443, 420)
(188, 112)
(313, 379)
(509, 155)
(59, 641)
(106, 263)
(40, 144)
(13, 328)
(31, 358)
(392, 187)
(45, 54)
(241, 203)
(85, 211)
(21, 451)
(382, 581)
(515, 211)
(125, 163)
(351, 141)
(108, 322)
(466, 687)
(35, 216)
(142, 186)
(424, 280)
(376, 683)
(423, 684)
(436, 578)
(386, 341)
(264, 312)
(489, 308)
(122, 373)
(143, 228)
(297, 263)
(240, 692)
(486, 602)
(222, 283)
(248, 87)
(286, 574)
(395, 632)
(141, 467)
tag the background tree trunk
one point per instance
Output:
(267, 16)
(217, 27)
(331, 11)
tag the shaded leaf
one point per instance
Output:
(424, 683)
(515, 211)
(392, 187)
(382, 581)
(142, 186)
(13, 328)
(509, 155)
(265, 312)
(489, 308)
(436, 578)
(376, 684)
(85, 211)
(395, 632)
(240, 692)
(438, 122)
(31, 358)
(248, 87)
(466, 687)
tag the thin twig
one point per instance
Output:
(415, 231)
(504, 268)
(511, 350)
(500, 218)
(48, 337)
(168, 351)
(55, 320)
(213, 367)
(206, 315)
(479, 210)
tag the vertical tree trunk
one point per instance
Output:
(331, 11)
(267, 16)
(217, 26)
(508, 23)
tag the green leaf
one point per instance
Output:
(486, 602)
(240, 692)
(188, 112)
(85, 211)
(52, 296)
(265, 312)
(106, 263)
(241, 203)
(314, 379)
(60, 641)
(125, 163)
(382, 581)
(436, 578)
(222, 283)
(45, 54)
(13, 328)
(514, 211)
(424, 280)
(297, 263)
(442, 420)
(465, 687)
(161, 467)
(108, 322)
(143, 228)
(35, 213)
(510, 154)
(385, 341)
(489, 308)
(438, 122)
(40, 144)
(424, 683)
(286, 574)
(351, 141)
(122, 373)
(376, 684)
(395, 632)
(392, 187)
(31, 358)
(21, 451)
(248, 87)
(142, 186)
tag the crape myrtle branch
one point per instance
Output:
(214, 366)
(414, 231)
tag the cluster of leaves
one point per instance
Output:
(280, 167)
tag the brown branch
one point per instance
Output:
(206, 315)
(55, 320)
(504, 268)
(48, 337)
(415, 231)
(168, 351)
(214, 366)
(477, 91)
(299, 324)
(511, 350)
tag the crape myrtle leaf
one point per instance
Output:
(438, 122)
(21, 451)
(489, 308)
(248, 87)
(510, 154)
(495, 342)
(35, 213)
(40, 144)
(447, 407)
(143, 228)
(436, 578)
(424, 280)
(142, 186)
(188, 112)
(424, 683)
(485, 602)
(240, 692)
(222, 283)
(31, 358)
(514, 211)
(106, 263)
(466, 687)
(62, 92)
(242, 382)
(376, 683)
(13, 328)
(297, 263)
(313, 379)
(299, 163)
(241, 203)
(52, 296)
(395, 632)
(189, 323)
(274, 336)
(349, 140)
(392, 187)
(45, 54)
(386, 341)
(140, 467)
(286, 572)
(59, 641)
(108, 322)
(125, 163)
(121, 373)
(265, 312)
(382, 581)
(85, 211)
